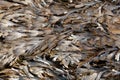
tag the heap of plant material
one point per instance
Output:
(59, 39)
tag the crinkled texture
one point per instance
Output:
(59, 39)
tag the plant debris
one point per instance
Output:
(59, 39)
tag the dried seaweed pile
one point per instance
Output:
(59, 39)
